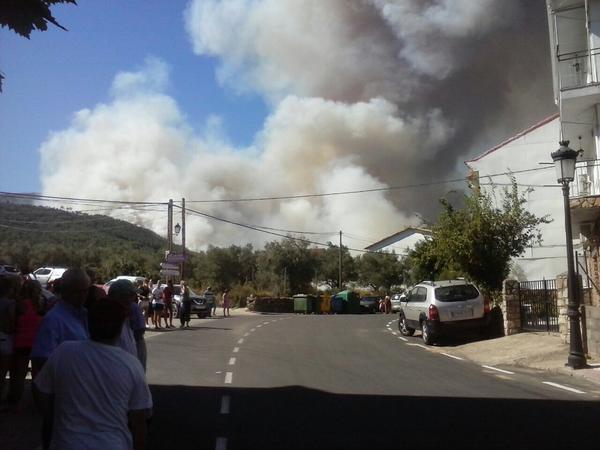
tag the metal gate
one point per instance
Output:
(539, 308)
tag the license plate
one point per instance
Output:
(466, 314)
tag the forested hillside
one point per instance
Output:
(34, 236)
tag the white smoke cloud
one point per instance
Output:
(339, 49)
(361, 95)
(140, 147)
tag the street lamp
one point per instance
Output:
(564, 162)
(177, 229)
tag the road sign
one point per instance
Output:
(169, 266)
(169, 273)
(175, 259)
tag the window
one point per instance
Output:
(421, 294)
(42, 272)
(458, 293)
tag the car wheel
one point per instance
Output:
(426, 333)
(404, 329)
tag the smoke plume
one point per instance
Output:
(363, 94)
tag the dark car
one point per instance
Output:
(370, 304)
(200, 306)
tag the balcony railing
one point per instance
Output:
(575, 69)
(587, 179)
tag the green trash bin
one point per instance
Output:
(351, 301)
(303, 304)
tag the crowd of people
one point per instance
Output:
(87, 354)
(88, 359)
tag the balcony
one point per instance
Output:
(587, 179)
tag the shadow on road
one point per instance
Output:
(301, 418)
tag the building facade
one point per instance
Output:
(574, 27)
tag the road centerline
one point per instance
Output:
(231, 361)
(228, 377)
(561, 386)
(508, 372)
(236, 349)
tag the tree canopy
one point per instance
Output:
(479, 239)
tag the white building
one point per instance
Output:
(401, 242)
(521, 156)
(574, 27)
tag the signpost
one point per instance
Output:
(173, 258)
(169, 272)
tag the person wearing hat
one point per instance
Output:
(132, 333)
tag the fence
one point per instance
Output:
(539, 307)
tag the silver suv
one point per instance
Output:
(439, 307)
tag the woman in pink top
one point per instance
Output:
(29, 317)
(226, 303)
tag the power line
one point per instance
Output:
(73, 199)
(260, 230)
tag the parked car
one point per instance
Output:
(200, 304)
(133, 278)
(396, 301)
(6, 269)
(441, 307)
(370, 303)
(46, 275)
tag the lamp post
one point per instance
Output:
(564, 162)
(177, 229)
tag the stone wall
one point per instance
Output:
(511, 309)
(592, 314)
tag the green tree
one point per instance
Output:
(329, 265)
(380, 270)
(480, 239)
(286, 267)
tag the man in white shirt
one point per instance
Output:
(158, 305)
(96, 388)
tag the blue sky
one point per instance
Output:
(57, 73)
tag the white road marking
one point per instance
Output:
(241, 341)
(419, 345)
(566, 388)
(258, 326)
(508, 372)
(225, 401)
(253, 329)
(236, 349)
(246, 335)
(452, 356)
(231, 361)
(394, 333)
(219, 372)
(265, 323)
(403, 338)
(221, 443)
(228, 377)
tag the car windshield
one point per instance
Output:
(456, 293)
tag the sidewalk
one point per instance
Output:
(534, 350)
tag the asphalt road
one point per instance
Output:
(348, 382)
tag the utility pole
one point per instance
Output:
(340, 273)
(183, 236)
(170, 226)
